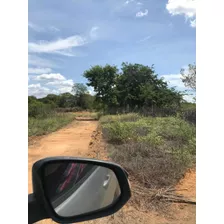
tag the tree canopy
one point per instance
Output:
(135, 85)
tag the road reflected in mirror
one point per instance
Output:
(78, 188)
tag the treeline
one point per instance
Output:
(130, 88)
(133, 86)
(65, 102)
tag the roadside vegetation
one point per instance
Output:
(156, 151)
(148, 145)
(44, 125)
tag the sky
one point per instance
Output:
(68, 37)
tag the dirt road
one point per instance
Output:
(73, 140)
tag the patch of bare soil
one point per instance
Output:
(185, 213)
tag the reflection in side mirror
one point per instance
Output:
(75, 188)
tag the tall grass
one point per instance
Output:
(155, 150)
(87, 114)
(119, 118)
(45, 125)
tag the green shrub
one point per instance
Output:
(118, 131)
(123, 117)
(156, 150)
(41, 126)
(39, 109)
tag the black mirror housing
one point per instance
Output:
(39, 200)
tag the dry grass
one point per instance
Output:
(155, 151)
(44, 125)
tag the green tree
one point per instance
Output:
(67, 100)
(79, 89)
(86, 101)
(139, 85)
(36, 108)
(103, 80)
(135, 86)
(51, 99)
(132, 81)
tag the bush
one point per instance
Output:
(41, 126)
(120, 118)
(157, 151)
(167, 128)
(118, 131)
(39, 109)
(149, 166)
(69, 109)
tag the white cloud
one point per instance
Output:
(63, 83)
(65, 53)
(91, 90)
(183, 7)
(35, 27)
(50, 83)
(142, 14)
(133, 2)
(61, 46)
(39, 62)
(42, 29)
(193, 23)
(39, 70)
(94, 32)
(189, 98)
(39, 91)
(144, 39)
(174, 80)
(34, 86)
(54, 29)
(128, 1)
(50, 77)
(65, 90)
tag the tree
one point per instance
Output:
(133, 81)
(66, 100)
(36, 108)
(103, 80)
(139, 85)
(135, 86)
(79, 89)
(86, 101)
(31, 99)
(189, 76)
(51, 99)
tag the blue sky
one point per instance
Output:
(67, 37)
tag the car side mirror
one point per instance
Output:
(70, 190)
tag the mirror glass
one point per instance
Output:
(78, 188)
